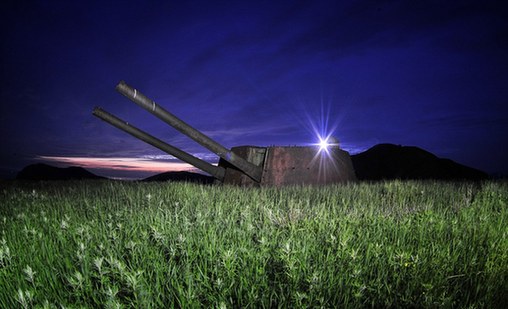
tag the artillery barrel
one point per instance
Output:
(215, 171)
(245, 166)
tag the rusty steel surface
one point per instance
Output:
(306, 166)
(283, 166)
(234, 176)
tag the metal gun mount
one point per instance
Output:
(243, 165)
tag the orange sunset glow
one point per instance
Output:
(120, 163)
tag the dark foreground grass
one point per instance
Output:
(148, 245)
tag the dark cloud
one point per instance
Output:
(431, 74)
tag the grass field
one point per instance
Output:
(156, 245)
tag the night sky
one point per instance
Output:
(432, 74)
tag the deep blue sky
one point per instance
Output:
(432, 74)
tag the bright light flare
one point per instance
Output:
(323, 144)
(327, 147)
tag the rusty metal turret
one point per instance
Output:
(243, 165)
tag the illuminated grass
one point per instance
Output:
(143, 245)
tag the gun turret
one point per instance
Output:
(243, 165)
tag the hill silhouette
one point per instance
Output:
(181, 176)
(388, 161)
(381, 162)
(41, 171)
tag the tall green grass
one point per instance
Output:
(148, 245)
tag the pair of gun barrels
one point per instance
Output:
(246, 167)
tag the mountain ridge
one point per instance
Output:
(380, 162)
(42, 171)
(390, 161)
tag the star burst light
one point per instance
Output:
(325, 143)
(322, 129)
